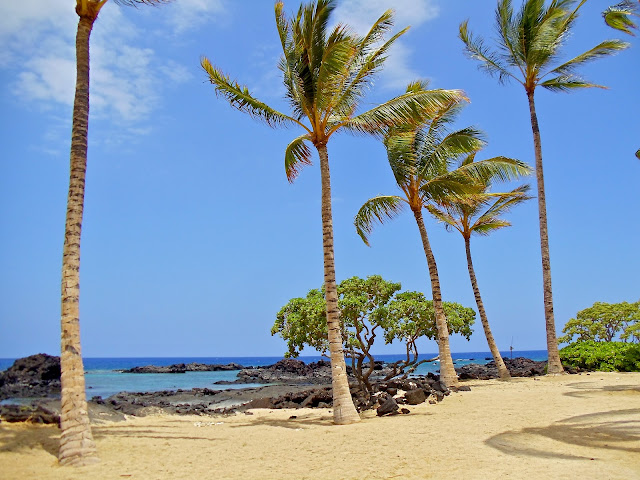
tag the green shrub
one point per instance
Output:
(602, 356)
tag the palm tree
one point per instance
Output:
(326, 74)
(76, 441)
(529, 44)
(420, 158)
(618, 16)
(480, 214)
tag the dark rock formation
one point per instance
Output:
(182, 368)
(288, 371)
(388, 406)
(33, 376)
(415, 397)
(518, 367)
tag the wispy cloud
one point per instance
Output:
(126, 76)
(190, 14)
(360, 16)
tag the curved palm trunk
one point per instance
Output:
(503, 371)
(344, 411)
(554, 365)
(76, 442)
(448, 374)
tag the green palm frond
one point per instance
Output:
(363, 68)
(490, 61)
(296, 156)
(568, 83)
(445, 218)
(506, 201)
(619, 16)
(376, 210)
(409, 108)
(604, 49)
(453, 185)
(495, 169)
(638, 154)
(239, 97)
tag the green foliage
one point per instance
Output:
(619, 16)
(603, 322)
(367, 306)
(602, 356)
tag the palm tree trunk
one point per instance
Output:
(554, 365)
(344, 411)
(503, 371)
(76, 442)
(448, 374)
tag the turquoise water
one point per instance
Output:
(103, 379)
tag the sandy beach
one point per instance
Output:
(561, 427)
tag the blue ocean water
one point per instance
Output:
(103, 378)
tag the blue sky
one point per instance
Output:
(193, 238)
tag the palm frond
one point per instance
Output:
(450, 186)
(487, 226)
(363, 68)
(604, 49)
(135, 3)
(495, 169)
(568, 83)
(618, 16)
(376, 210)
(239, 97)
(445, 217)
(489, 61)
(411, 108)
(296, 156)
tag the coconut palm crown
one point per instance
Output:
(326, 74)
(420, 158)
(480, 213)
(529, 46)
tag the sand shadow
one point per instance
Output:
(13, 440)
(617, 430)
(588, 389)
(300, 422)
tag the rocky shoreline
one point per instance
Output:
(291, 384)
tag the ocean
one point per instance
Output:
(103, 379)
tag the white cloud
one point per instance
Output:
(360, 16)
(190, 14)
(126, 78)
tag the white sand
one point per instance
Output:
(561, 427)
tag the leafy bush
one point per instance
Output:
(602, 356)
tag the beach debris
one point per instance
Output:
(207, 424)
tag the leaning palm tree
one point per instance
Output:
(76, 441)
(326, 75)
(479, 214)
(618, 16)
(420, 158)
(529, 44)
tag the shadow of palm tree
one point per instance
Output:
(613, 430)
(292, 423)
(592, 388)
(45, 437)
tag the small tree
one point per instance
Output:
(411, 316)
(603, 322)
(367, 307)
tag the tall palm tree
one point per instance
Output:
(529, 45)
(479, 214)
(420, 158)
(76, 442)
(326, 74)
(618, 16)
